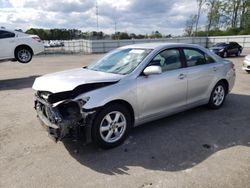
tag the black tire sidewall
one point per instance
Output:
(211, 102)
(19, 60)
(95, 133)
(238, 53)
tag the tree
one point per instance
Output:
(200, 3)
(245, 14)
(231, 11)
(190, 23)
(224, 17)
(120, 36)
(156, 34)
(214, 14)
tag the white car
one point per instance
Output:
(246, 64)
(19, 46)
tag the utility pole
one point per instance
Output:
(115, 28)
(97, 15)
(115, 22)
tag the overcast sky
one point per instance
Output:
(138, 16)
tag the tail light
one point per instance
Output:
(37, 39)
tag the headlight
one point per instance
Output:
(82, 101)
(221, 50)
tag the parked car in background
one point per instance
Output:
(46, 44)
(246, 64)
(130, 86)
(19, 46)
(226, 49)
(53, 43)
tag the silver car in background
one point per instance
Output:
(130, 86)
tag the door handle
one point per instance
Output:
(181, 76)
(215, 68)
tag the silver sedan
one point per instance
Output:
(130, 86)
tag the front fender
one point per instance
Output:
(124, 90)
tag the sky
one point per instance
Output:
(132, 16)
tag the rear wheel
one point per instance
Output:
(23, 54)
(218, 96)
(111, 126)
(238, 53)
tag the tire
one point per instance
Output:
(248, 71)
(110, 120)
(23, 54)
(218, 96)
(238, 53)
(225, 54)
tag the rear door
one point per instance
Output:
(201, 74)
(7, 44)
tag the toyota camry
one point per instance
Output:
(128, 87)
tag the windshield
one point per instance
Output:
(121, 61)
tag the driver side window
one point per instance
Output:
(167, 60)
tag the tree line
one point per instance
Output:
(224, 17)
(70, 34)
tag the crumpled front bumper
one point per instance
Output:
(59, 126)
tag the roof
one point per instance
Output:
(13, 31)
(158, 45)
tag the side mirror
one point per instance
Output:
(153, 69)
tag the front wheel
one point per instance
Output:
(111, 126)
(218, 96)
(23, 54)
(225, 54)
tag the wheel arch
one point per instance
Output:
(123, 103)
(225, 82)
(23, 46)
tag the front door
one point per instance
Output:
(166, 92)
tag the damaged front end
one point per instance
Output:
(63, 118)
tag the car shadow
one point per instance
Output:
(17, 83)
(174, 143)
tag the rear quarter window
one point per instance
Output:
(6, 34)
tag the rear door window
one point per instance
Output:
(194, 57)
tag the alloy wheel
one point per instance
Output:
(219, 95)
(113, 126)
(24, 55)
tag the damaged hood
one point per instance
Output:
(68, 80)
